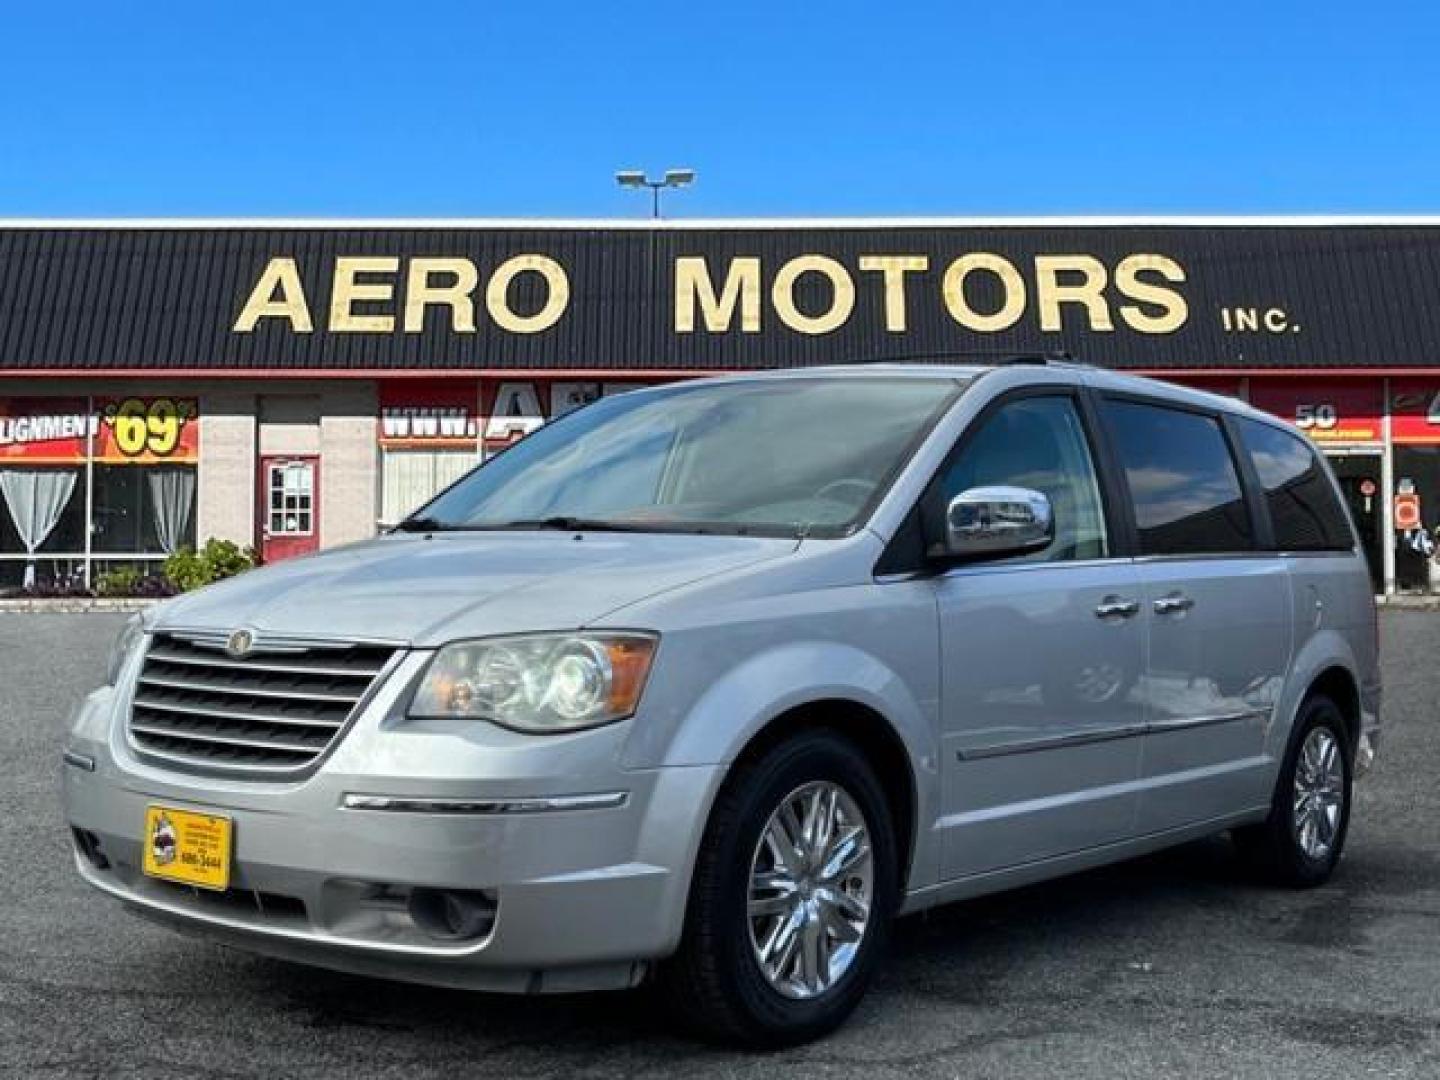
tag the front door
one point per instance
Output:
(1040, 658)
(289, 510)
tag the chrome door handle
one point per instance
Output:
(1173, 605)
(1116, 607)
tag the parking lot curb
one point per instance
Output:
(73, 605)
(1410, 603)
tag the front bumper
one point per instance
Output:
(583, 896)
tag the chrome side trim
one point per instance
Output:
(1185, 723)
(1052, 742)
(1129, 731)
(405, 804)
(79, 760)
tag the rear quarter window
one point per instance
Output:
(1304, 510)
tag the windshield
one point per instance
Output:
(791, 456)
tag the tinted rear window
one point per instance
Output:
(1304, 509)
(1183, 482)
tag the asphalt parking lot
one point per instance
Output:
(1173, 965)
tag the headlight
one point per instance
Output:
(537, 683)
(130, 638)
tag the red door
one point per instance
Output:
(289, 511)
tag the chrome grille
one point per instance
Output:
(274, 710)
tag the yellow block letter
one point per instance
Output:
(895, 267)
(421, 293)
(1089, 292)
(280, 275)
(953, 289)
(842, 294)
(347, 292)
(693, 285)
(1173, 309)
(497, 294)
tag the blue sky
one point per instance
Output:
(357, 108)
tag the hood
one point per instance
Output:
(426, 590)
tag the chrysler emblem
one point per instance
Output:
(240, 642)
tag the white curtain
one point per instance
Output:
(412, 477)
(36, 498)
(172, 494)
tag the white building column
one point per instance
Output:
(349, 459)
(225, 495)
(1387, 496)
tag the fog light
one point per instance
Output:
(452, 914)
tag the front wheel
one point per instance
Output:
(790, 906)
(1300, 843)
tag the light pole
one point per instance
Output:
(673, 178)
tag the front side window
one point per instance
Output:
(1038, 443)
(794, 456)
(1304, 510)
(1183, 482)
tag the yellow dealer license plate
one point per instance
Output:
(184, 846)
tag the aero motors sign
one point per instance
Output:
(981, 291)
(581, 301)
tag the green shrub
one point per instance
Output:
(218, 559)
(121, 581)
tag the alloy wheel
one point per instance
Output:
(811, 889)
(1319, 796)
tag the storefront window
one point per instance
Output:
(143, 509)
(86, 478)
(411, 478)
(43, 516)
(1417, 491)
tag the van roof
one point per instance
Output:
(1068, 370)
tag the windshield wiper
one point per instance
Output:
(565, 523)
(421, 524)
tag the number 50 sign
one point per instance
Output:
(140, 430)
(1328, 410)
(1321, 417)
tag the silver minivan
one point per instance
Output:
(707, 683)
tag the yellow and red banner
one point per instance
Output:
(113, 431)
(1415, 411)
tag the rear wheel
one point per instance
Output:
(1301, 841)
(794, 889)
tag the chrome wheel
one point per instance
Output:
(811, 887)
(1319, 797)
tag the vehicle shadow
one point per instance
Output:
(933, 951)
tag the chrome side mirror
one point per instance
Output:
(986, 522)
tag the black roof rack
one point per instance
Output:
(997, 357)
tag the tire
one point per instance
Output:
(716, 982)
(1280, 849)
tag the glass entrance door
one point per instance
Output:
(1359, 476)
(289, 511)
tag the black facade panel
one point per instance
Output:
(151, 299)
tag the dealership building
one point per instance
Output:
(293, 384)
